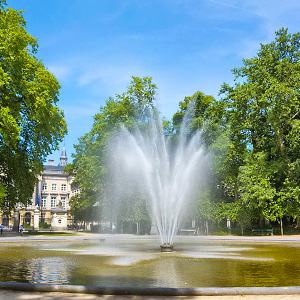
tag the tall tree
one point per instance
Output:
(208, 115)
(264, 114)
(89, 164)
(31, 124)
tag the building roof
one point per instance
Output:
(51, 169)
(54, 170)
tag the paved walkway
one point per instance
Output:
(9, 236)
(10, 295)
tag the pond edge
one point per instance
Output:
(211, 291)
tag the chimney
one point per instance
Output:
(51, 162)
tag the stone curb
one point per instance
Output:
(29, 287)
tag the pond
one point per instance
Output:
(120, 261)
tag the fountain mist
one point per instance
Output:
(168, 173)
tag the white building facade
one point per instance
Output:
(50, 207)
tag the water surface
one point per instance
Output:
(137, 262)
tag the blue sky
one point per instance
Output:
(93, 47)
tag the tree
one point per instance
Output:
(31, 124)
(235, 211)
(89, 164)
(263, 110)
(199, 103)
(209, 116)
(255, 186)
(203, 209)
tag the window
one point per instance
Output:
(44, 186)
(77, 191)
(54, 186)
(63, 187)
(53, 202)
(44, 202)
(63, 202)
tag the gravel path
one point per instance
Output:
(10, 295)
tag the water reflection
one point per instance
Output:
(195, 263)
(168, 274)
(50, 270)
(37, 270)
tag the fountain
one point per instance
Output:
(167, 173)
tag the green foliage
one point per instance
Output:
(132, 207)
(204, 208)
(28, 227)
(208, 115)
(263, 113)
(2, 192)
(89, 164)
(31, 125)
(223, 211)
(252, 135)
(255, 182)
(141, 95)
(44, 225)
(200, 104)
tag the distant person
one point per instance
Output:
(21, 229)
(113, 228)
(1, 228)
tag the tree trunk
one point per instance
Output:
(16, 221)
(206, 227)
(254, 143)
(281, 226)
(242, 227)
(280, 143)
(298, 223)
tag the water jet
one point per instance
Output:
(167, 172)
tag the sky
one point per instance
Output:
(94, 47)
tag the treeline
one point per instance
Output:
(31, 124)
(252, 132)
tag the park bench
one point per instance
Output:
(261, 231)
(187, 231)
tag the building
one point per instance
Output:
(49, 206)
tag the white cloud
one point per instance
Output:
(112, 78)
(273, 13)
(269, 16)
(60, 72)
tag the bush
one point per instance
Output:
(27, 226)
(221, 232)
(44, 225)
